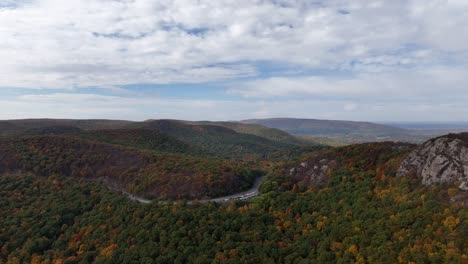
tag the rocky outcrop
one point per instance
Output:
(443, 159)
(313, 171)
(317, 167)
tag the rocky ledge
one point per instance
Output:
(443, 159)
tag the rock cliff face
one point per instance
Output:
(443, 159)
(313, 171)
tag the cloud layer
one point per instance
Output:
(265, 54)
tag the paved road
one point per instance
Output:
(245, 195)
(252, 192)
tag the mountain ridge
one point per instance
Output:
(341, 130)
(224, 139)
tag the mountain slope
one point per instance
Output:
(261, 131)
(224, 140)
(381, 158)
(360, 213)
(52, 130)
(158, 175)
(347, 131)
(9, 128)
(142, 139)
(218, 140)
(64, 220)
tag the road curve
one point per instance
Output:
(245, 195)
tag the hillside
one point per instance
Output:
(142, 139)
(223, 139)
(157, 175)
(261, 131)
(51, 130)
(360, 213)
(145, 139)
(344, 131)
(217, 140)
(382, 159)
(7, 128)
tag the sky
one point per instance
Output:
(398, 60)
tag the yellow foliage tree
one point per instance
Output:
(451, 222)
(320, 225)
(452, 192)
(36, 259)
(353, 249)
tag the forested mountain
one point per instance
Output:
(324, 127)
(22, 125)
(221, 139)
(52, 130)
(351, 204)
(142, 139)
(381, 158)
(362, 213)
(261, 131)
(156, 175)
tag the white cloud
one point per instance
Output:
(398, 59)
(436, 83)
(350, 107)
(75, 43)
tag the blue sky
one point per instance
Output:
(229, 60)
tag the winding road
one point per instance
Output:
(245, 195)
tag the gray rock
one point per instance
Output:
(312, 172)
(291, 171)
(443, 159)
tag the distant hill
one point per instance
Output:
(218, 140)
(286, 131)
(261, 131)
(446, 126)
(136, 138)
(34, 126)
(345, 131)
